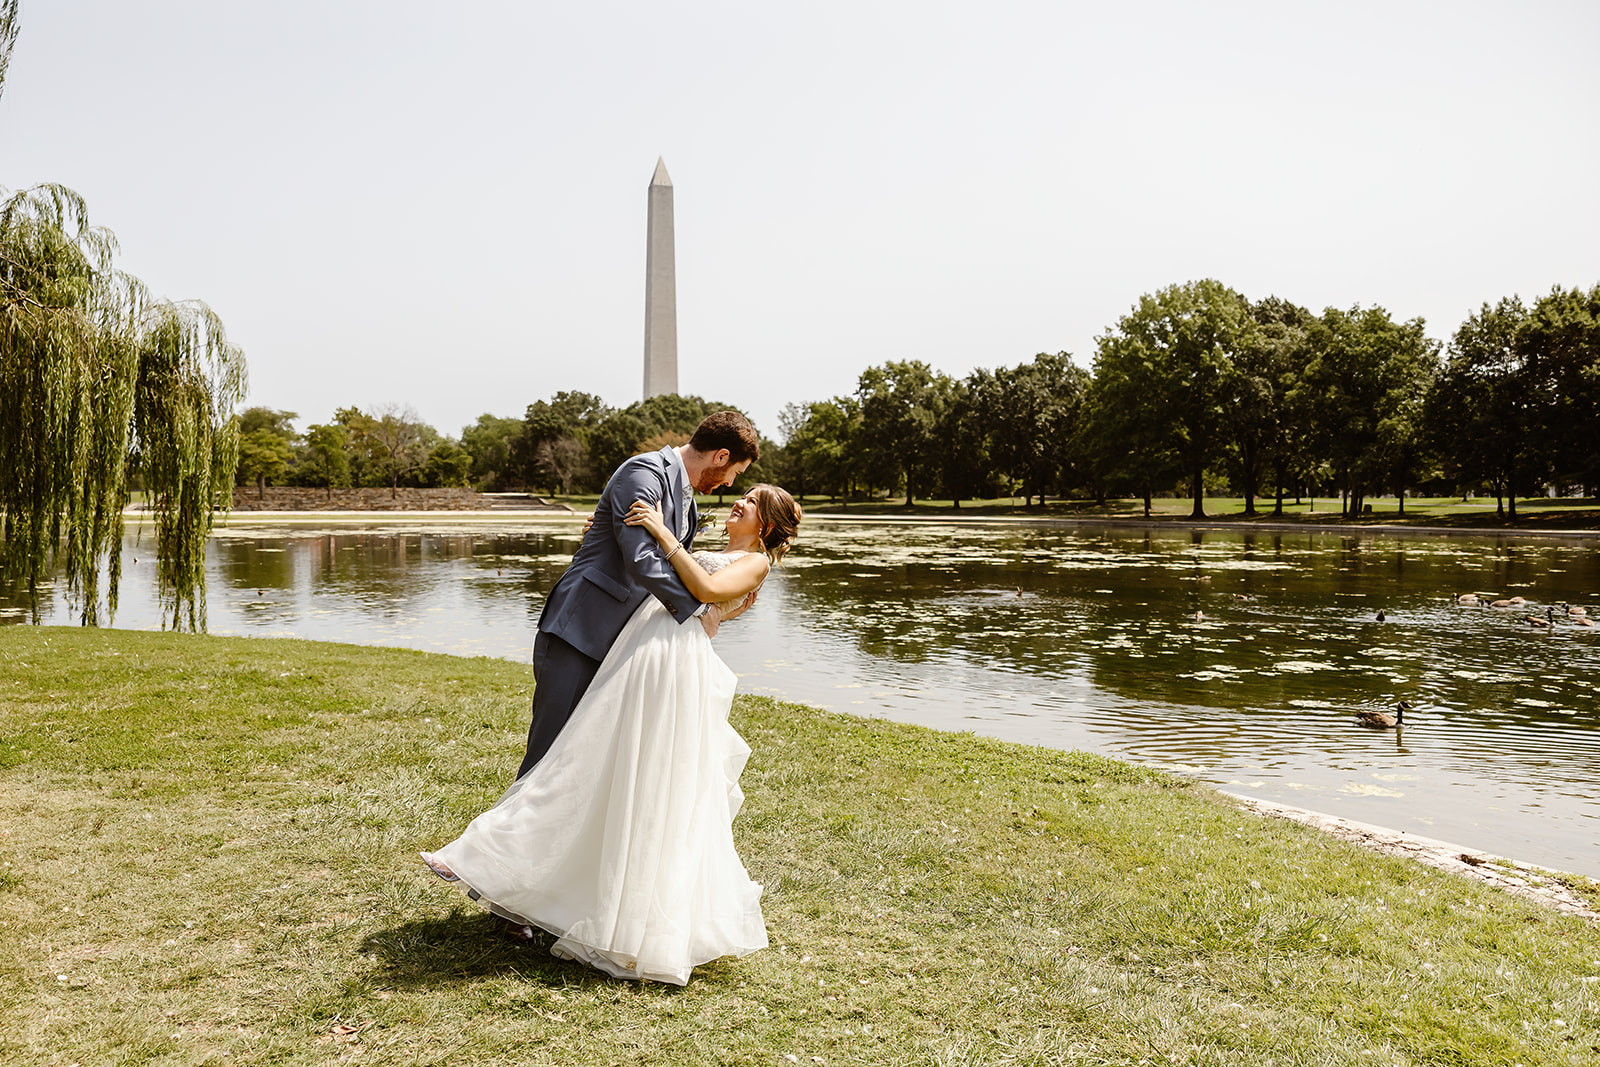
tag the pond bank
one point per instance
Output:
(931, 897)
(1541, 885)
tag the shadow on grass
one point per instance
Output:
(465, 947)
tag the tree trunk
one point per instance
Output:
(1147, 501)
(261, 486)
(1197, 488)
(1511, 497)
(1250, 480)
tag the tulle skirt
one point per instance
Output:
(620, 841)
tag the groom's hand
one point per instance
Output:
(711, 619)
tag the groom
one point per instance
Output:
(617, 566)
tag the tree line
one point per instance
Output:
(1196, 391)
(568, 444)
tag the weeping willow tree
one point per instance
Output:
(99, 383)
(8, 36)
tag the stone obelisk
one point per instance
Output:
(660, 292)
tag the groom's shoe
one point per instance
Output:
(516, 933)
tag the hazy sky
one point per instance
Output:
(444, 204)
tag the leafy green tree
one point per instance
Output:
(448, 465)
(1031, 413)
(1170, 375)
(618, 436)
(95, 374)
(1122, 448)
(961, 442)
(1362, 391)
(490, 442)
(564, 460)
(393, 443)
(1560, 340)
(568, 418)
(266, 446)
(902, 403)
(1263, 429)
(1514, 405)
(822, 446)
(8, 37)
(99, 382)
(672, 413)
(324, 460)
(1476, 412)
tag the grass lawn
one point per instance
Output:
(207, 854)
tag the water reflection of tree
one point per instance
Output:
(255, 563)
(17, 606)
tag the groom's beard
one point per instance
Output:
(713, 479)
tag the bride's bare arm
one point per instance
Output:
(735, 580)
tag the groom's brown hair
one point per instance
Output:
(730, 430)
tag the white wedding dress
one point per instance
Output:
(620, 840)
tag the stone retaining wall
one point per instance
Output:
(285, 498)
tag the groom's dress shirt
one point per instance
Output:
(685, 508)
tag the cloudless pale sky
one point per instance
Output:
(444, 205)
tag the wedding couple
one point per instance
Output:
(617, 834)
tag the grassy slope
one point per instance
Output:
(208, 850)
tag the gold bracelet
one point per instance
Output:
(674, 549)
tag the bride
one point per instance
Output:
(620, 841)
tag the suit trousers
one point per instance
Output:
(561, 675)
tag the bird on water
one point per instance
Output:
(1382, 720)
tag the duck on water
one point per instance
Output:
(1382, 720)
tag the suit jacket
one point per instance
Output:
(618, 565)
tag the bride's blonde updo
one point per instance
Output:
(780, 519)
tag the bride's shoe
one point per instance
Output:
(439, 867)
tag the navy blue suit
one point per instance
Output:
(615, 568)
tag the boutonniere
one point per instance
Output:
(705, 520)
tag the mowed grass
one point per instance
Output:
(207, 854)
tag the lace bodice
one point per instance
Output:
(714, 562)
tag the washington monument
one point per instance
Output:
(660, 291)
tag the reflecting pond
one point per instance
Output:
(1238, 657)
